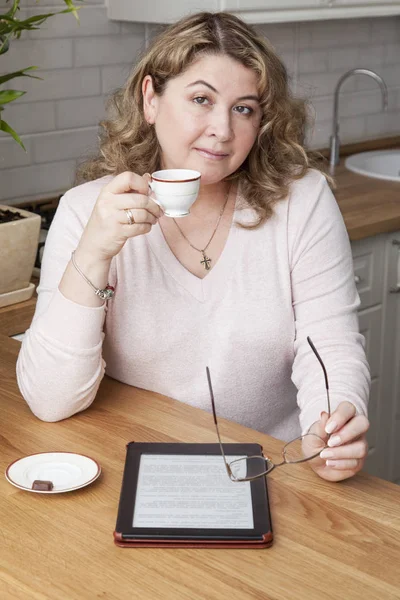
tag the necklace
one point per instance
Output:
(206, 259)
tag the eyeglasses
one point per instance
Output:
(301, 449)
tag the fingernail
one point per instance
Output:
(326, 454)
(334, 441)
(331, 427)
(331, 463)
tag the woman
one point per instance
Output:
(213, 96)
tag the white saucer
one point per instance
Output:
(67, 471)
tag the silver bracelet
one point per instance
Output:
(105, 294)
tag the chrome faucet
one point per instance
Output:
(334, 140)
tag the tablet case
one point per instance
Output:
(127, 536)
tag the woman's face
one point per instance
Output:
(207, 118)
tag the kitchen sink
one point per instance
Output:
(380, 164)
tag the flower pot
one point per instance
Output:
(18, 247)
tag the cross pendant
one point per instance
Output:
(206, 261)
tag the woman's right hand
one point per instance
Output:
(108, 227)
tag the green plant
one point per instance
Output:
(11, 28)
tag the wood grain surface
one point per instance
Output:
(369, 206)
(16, 318)
(332, 541)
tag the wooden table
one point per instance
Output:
(332, 541)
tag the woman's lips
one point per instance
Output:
(211, 155)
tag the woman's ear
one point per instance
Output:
(149, 100)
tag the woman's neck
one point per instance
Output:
(211, 199)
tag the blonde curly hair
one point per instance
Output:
(278, 156)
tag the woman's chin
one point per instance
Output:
(211, 178)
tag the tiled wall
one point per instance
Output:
(318, 53)
(80, 64)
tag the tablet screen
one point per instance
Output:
(191, 491)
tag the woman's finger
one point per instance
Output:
(357, 449)
(137, 201)
(353, 464)
(351, 430)
(344, 412)
(127, 182)
(318, 428)
(139, 215)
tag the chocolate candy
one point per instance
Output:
(42, 486)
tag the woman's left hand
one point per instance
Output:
(347, 444)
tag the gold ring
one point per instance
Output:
(129, 215)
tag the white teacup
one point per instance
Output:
(175, 190)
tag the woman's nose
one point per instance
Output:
(220, 125)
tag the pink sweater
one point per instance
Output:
(248, 319)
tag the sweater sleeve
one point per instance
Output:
(325, 302)
(60, 365)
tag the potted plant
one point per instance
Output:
(19, 236)
(19, 229)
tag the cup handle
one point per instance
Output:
(152, 195)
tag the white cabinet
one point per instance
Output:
(260, 11)
(369, 264)
(391, 355)
(157, 11)
(253, 11)
(377, 272)
(363, 8)
(272, 4)
(365, 3)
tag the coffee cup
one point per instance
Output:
(175, 190)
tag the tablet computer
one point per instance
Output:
(176, 494)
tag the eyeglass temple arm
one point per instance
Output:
(313, 348)
(213, 403)
(216, 422)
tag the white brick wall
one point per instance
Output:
(34, 117)
(81, 64)
(112, 76)
(60, 145)
(60, 83)
(73, 113)
(323, 51)
(49, 54)
(58, 116)
(110, 50)
(36, 181)
(93, 21)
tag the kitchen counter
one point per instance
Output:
(369, 206)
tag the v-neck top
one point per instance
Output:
(215, 281)
(247, 319)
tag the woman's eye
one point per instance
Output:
(244, 110)
(200, 100)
